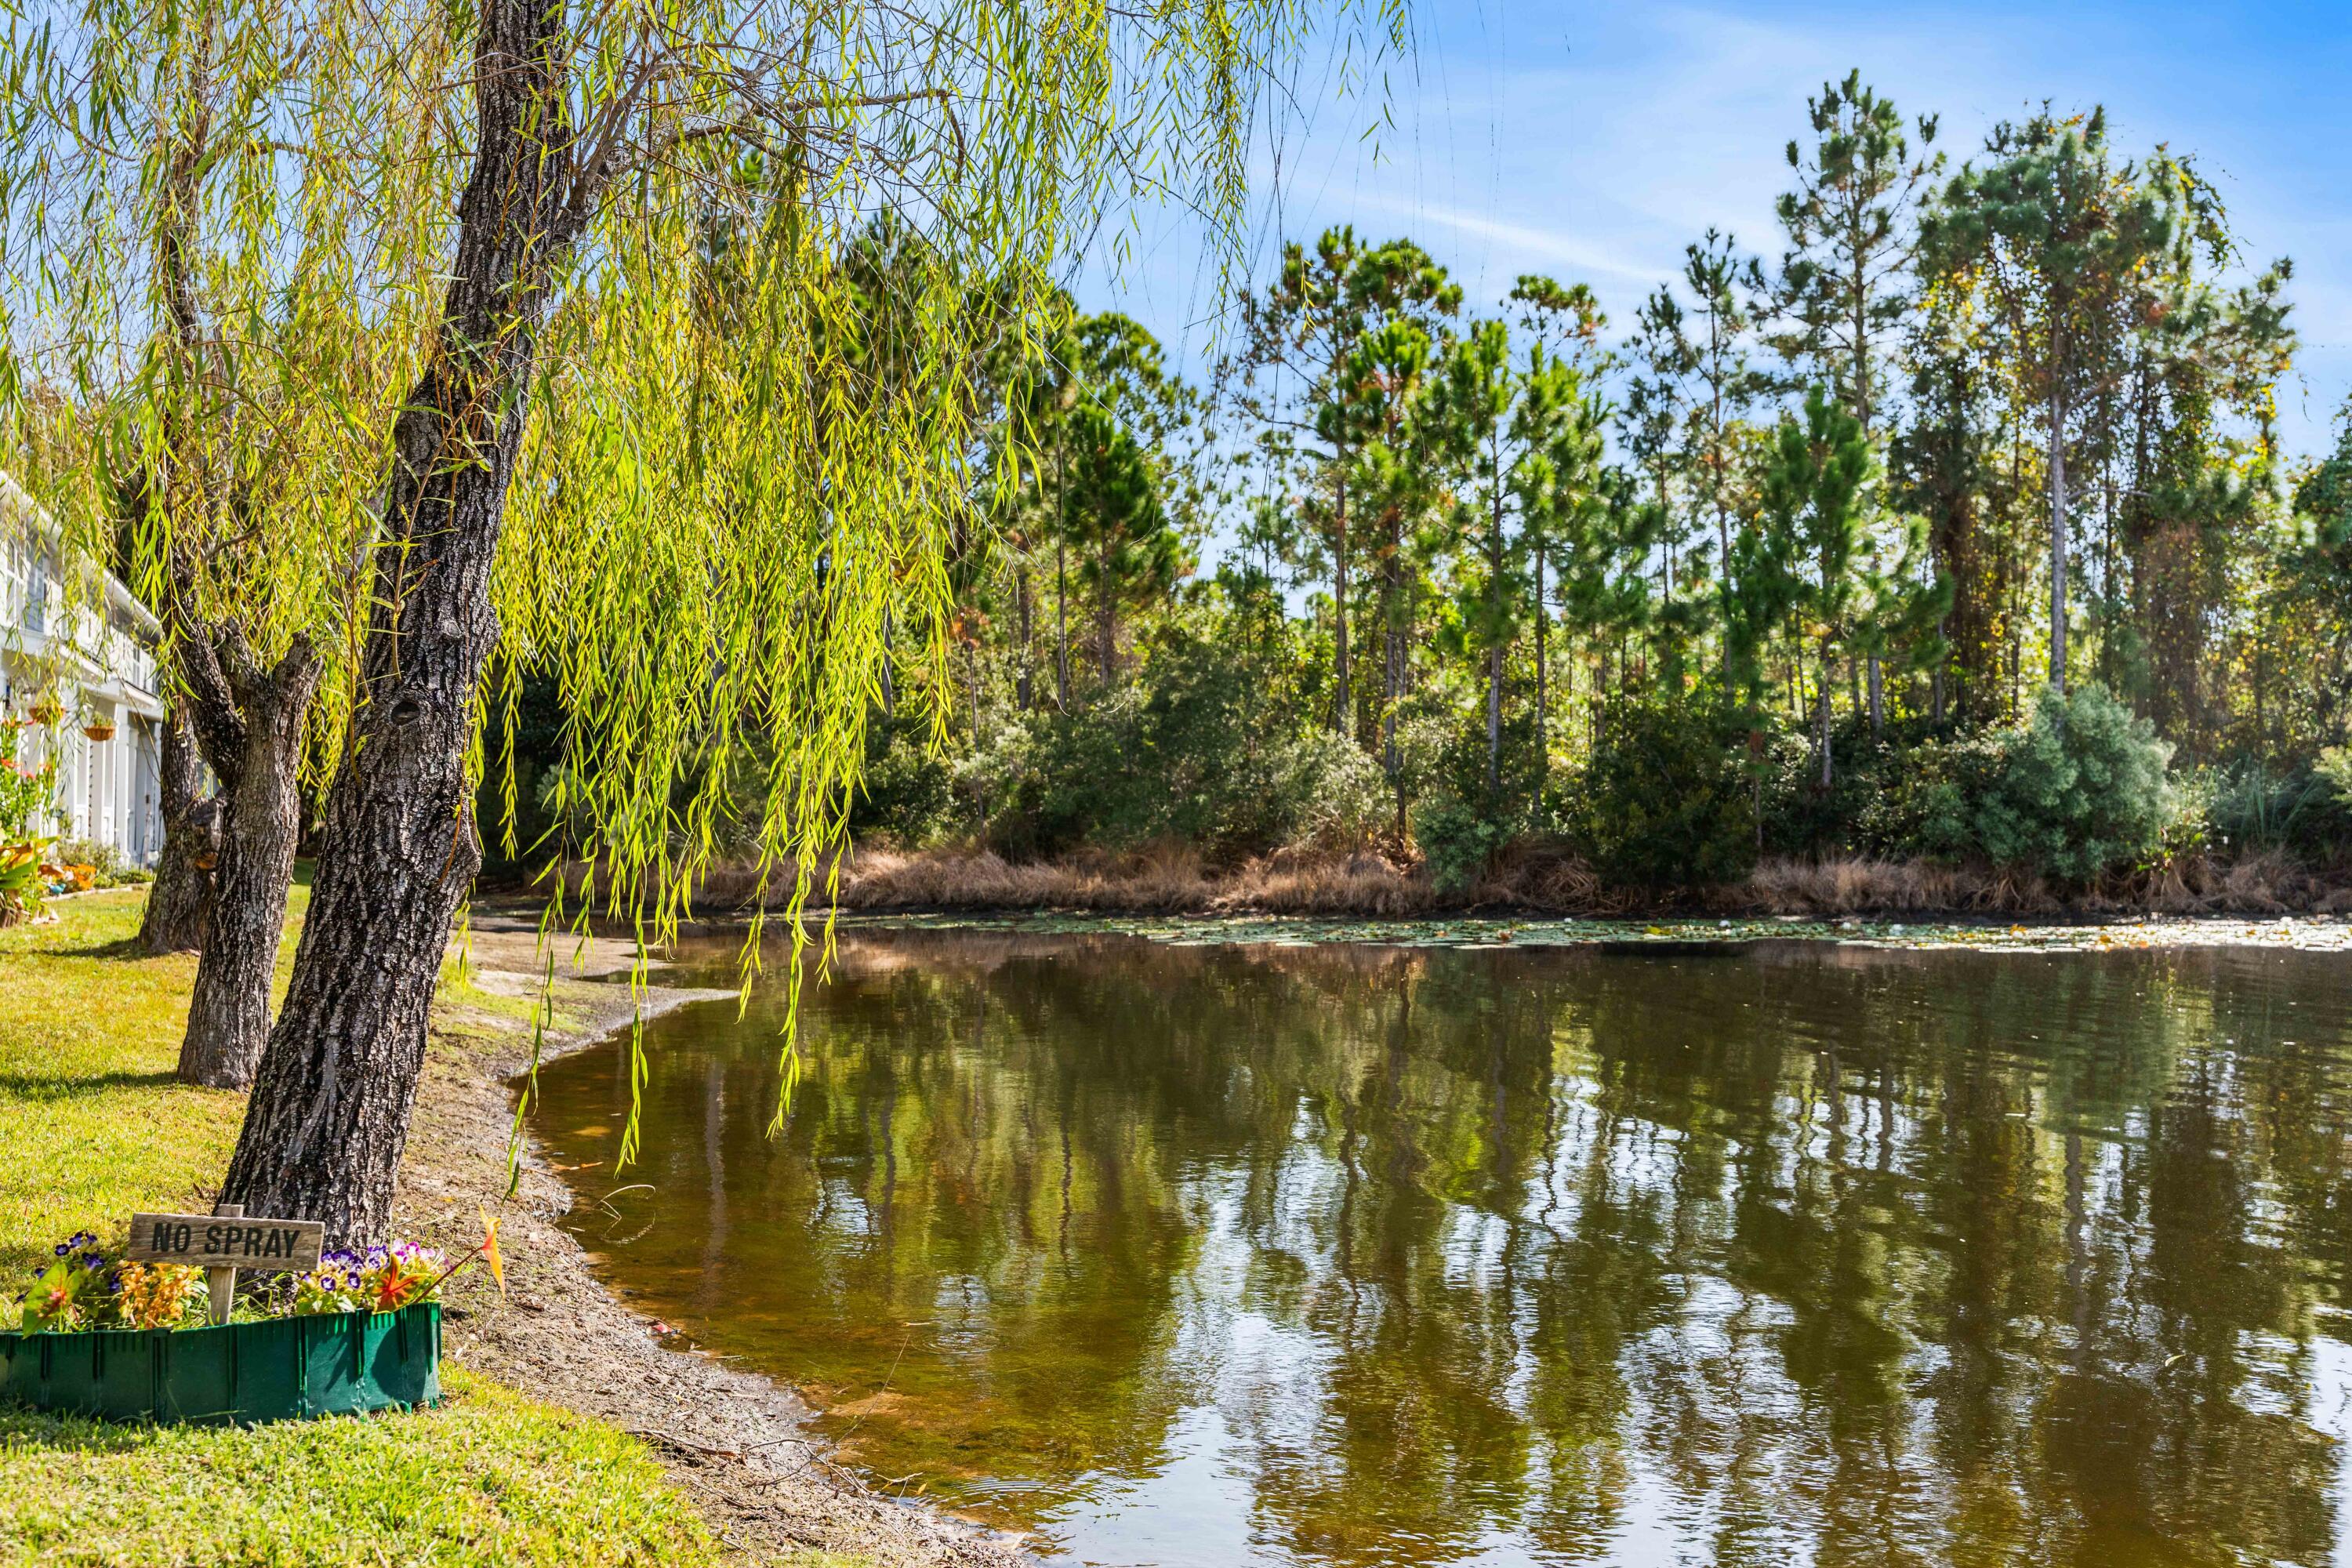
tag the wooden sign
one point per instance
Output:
(224, 1241)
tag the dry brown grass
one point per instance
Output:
(2265, 883)
(1172, 880)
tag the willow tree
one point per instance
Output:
(699, 519)
(221, 257)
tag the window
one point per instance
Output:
(37, 593)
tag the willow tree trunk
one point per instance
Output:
(260, 823)
(330, 1110)
(180, 900)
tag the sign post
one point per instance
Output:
(223, 1241)
(220, 1284)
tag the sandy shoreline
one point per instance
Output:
(735, 1442)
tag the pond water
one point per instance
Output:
(1355, 1253)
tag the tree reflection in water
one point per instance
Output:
(1372, 1255)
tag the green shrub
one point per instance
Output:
(1803, 819)
(102, 858)
(2303, 811)
(1191, 747)
(907, 790)
(1457, 840)
(2081, 791)
(26, 795)
(1666, 799)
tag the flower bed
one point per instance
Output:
(264, 1369)
(131, 1340)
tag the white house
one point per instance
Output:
(78, 669)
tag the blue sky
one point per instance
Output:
(1594, 142)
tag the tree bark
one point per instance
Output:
(1105, 621)
(1821, 717)
(1342, 711)
(1392, 655)
(1061, 578)
(1543, 716)
(2058, 543)
(1494, 653)
(330, 1110)
(180, 900)
(260, 822)
(1024, 681)
(1061, 625)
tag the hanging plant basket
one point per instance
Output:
(276, 1369)
(99, 730)
(45, 711)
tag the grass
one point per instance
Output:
(490, 1477)
(93, 1125)
(93, 1122)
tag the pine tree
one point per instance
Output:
(2055, 231)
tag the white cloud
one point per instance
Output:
(1594, 142)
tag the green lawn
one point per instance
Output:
(93, 1126)
(92, 1122)
(489, 1479)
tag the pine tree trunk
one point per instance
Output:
(1024, 683)
(971, 684)
(1494, 654)
(2058, 543)
(1061, 624)
(1392, 657)
(260, 822)
(1106, 624)
(1543, 717)
(180, 900)
(1342, 713)
(1494, 722)
(330, 1110)
(1822, 719)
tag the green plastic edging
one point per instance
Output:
(274, 1370)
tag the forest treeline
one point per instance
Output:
(1951, 522)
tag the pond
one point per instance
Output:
(1355, 1253)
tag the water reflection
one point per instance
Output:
(1354, 1255)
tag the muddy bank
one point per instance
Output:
(733, 1441)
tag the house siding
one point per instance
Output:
(79, 639)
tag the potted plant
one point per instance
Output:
(127, 1341)
(22, 884)
(45, 711)
(99, 729)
